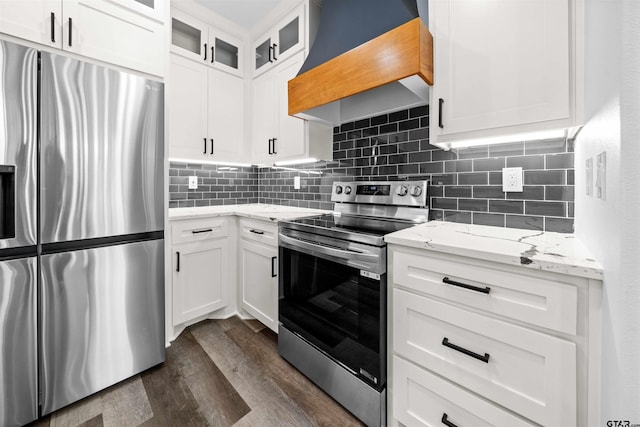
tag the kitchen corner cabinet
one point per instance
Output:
(504, 67)
(480, 343)
(129, 33)
(206, 112)
(207, 44)
(200, 264)
(282, 41)
(276, 135)
(258, 270)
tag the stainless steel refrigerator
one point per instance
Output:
(81, 230)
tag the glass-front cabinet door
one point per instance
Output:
(282, 41)
(263, 54)
(189, 37)
(227, 52)
(201, 42)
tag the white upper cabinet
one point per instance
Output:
(201, 42)
(128, 33)
(277, 136)
(502, 67)
(283, 40)
(206, 112)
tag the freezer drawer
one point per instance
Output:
(18, 365)
(102, 152)
(102, 318)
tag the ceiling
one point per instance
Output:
(243, 12)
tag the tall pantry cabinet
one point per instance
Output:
(206, 92)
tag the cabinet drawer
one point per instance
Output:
(197, 230)
(529, 299)
(531, 373)
(259, 231)
(422, 399)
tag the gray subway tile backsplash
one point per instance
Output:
(466, 182)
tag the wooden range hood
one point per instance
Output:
(390, 72)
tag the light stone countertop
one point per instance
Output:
(547, 251)
(259, 211)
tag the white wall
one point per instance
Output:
(611, 227)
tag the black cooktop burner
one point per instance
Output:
(353, 224)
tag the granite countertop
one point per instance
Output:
(259, 211)
(554, 252)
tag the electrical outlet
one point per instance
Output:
(193, 183)
(512, 180)
(296, 182)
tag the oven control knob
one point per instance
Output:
(416, 191)
(402, 190)
(338, 189)
(347, 189)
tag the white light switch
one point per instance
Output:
(296, 182)
(193, 183)
(512, 180)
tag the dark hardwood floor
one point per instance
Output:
(217, 373)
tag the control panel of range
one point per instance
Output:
(400, 193)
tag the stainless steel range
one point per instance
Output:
(333, 290)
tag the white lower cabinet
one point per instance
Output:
(477, 343)
(258, 271)
(200, 263)
(422, 398)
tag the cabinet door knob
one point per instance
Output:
(270, 152)
(212, 55)
(205, 146)
(445, 421)
(70, 32)
(211, 145)
(274, 145)
(440, 102)
(53, 27)
(275, 45)
(274, 272)
(178, 262)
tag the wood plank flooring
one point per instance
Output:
(218, 373)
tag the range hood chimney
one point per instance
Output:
(369, 57)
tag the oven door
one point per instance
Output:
(332, 294)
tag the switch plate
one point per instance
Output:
(601, 175)
(296, 182)
(512, 180)
(589, 176)
(193, 183)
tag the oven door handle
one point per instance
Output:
(320, 249)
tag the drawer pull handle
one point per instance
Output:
(446, 343)
(273, 266)
(448, 281)
(445, 421)
(202, 231)
(256, 231)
